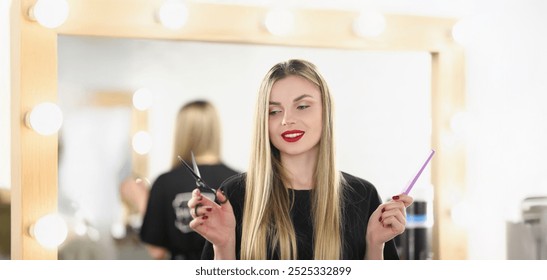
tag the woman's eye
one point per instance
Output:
(274, 112)
(302, 107)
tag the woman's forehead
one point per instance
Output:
(294, 86)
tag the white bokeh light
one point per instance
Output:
(80, 229)
(142, 99)
(46, 118)
(142, 142)
(460, 123)
(173, 14)
(50, 231)
(369, 24)
(279, 22)
(118, 230)
(50, 13)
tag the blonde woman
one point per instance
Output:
(293, 203)
(165, 229)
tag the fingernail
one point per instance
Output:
(205, 217)
(383, 210)
(395, 197)
(209, 209)
(379, 220)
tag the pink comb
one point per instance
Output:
(409, 187)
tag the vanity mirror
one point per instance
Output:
(412, 62)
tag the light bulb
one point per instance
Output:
(466, 31)
(142, 99)
(460, 123)
(142, 142)
(118, 230)
(49, 231)
(173, 14)
(80, 229)
(279, 22)
(461, 214)
(369, 24)
(50, 13)
(46, 118)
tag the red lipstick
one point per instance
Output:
(292, 135)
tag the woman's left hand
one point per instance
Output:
(388, 220)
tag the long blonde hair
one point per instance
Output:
(197, 129)
(266, 216)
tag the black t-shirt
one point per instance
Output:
(167, 216)
(361, 199)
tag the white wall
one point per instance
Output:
(506, 47)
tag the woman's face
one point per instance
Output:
(295, 116)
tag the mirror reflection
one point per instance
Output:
(382, 109)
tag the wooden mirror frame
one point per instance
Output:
(34, 80)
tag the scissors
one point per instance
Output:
(195, 173)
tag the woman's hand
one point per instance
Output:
(386, 222)
(214, 222)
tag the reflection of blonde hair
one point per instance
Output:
(266, 217)
(198, 130)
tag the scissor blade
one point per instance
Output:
(199, 182)
(196, 176)
(196, 169)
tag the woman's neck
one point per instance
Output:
(301, 169)
(207, 159)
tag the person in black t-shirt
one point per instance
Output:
(165, 229)
(293, 203)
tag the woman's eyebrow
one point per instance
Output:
(302, 97)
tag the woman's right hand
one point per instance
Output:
(214, 222)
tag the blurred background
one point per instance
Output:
(383, 116)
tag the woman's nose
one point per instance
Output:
(287, 119)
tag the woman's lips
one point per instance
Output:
(292, 135)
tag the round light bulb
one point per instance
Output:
(50, 231)
(93, 234)
(460, 123)
(173, 14)
(142, 99)
(458, 32)
(45, 119)
(50, 13)
(464, 31)
(462, 214)
(369, 24)
(80, 229)
(118, 230)
(142, 142)
(279, 22)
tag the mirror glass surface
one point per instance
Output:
(382, 101)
